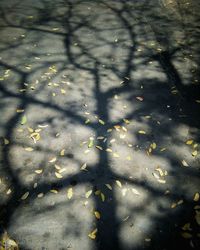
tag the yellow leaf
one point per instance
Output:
(92, 235)
(108, 186)
(53, 160)
(25, 196)
(98, 192)
(154, 145)
(57, 167)
(189, 142)
(88, 193)
(70, 193)
(54, 191)
(62, 152)
(194, 153)
(20, 110)
(187, 227)
(40, 195)
(115, 155)
(36, 136)
(58, 175)
(173, 205)
(141, 132)
(38, 171)
(6, 141)
(63, 91)
(97, 215)
(102, 122)
(29, 149)
(109, 150)
(102, 197)
(118, 183)
(30, 130)
(184, 163)
(100, 148)
(84, 166)
(196, 197)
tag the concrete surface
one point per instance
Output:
(124, 73)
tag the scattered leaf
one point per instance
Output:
(118, 183)
(84, 166)
(102, 197)
(141, 132)
(38, 171)
(92, 235)
(62, 152)
(29, 149)
(88, 193)
(194, 153)
(189, 142)
(91, 142)
(102, 122)
(108, 186)
(58, 175)
(184, 163)
(97, 215)
(53, 160)
(25, 196)
(23, 120)
(70, 193)
(186, 235)
(196, 197)
(135, 191)
(6, 141)
(139, 98)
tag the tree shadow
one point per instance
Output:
(105, 51)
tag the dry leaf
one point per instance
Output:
(97, 215)
(62, 152)
(108, 186)
(53, 160)
(38, 171)
(184, 163)
(141, 132)
(135, 191)
(102, 197)
(118, 183)
(154, 145)
(100, 148)
(189, 142)
(29, 149)
(88, 193)
(58, 175)
(54, 191)
(196, 197)
(139, 98)
(194, 153)
(102, 122)
(84, 166)
(70, 193)
(92, 235)
(186, 235)
(25, 196)
(40, 195)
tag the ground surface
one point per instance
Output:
(99, 104)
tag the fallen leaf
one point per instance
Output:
(97, 215)
(20, 110)
(63, 91)
(38, 171)
(102, 197)
(194, 153)
(6, 141)
(189, 142)
(108, 186)
(54, 191)
(58, 175)
(91, 142)
(135, 191)
(29, 149)
(25, 196)
(154, 145)
(53, 160)
(70, 193)
(84, 166)
(23, 120)
(88, 193)
(92, 235)
(139, 98)
(187, 227)
(141, 132)
(184, 163)
(196, 197)
(40, 195)
(186, 235)
(62, 152)
(102, 122)
(118, 183)
(100, 148)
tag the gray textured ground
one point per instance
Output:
(124, 73)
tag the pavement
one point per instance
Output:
(99, 124)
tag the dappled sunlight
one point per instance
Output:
(99, 124)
